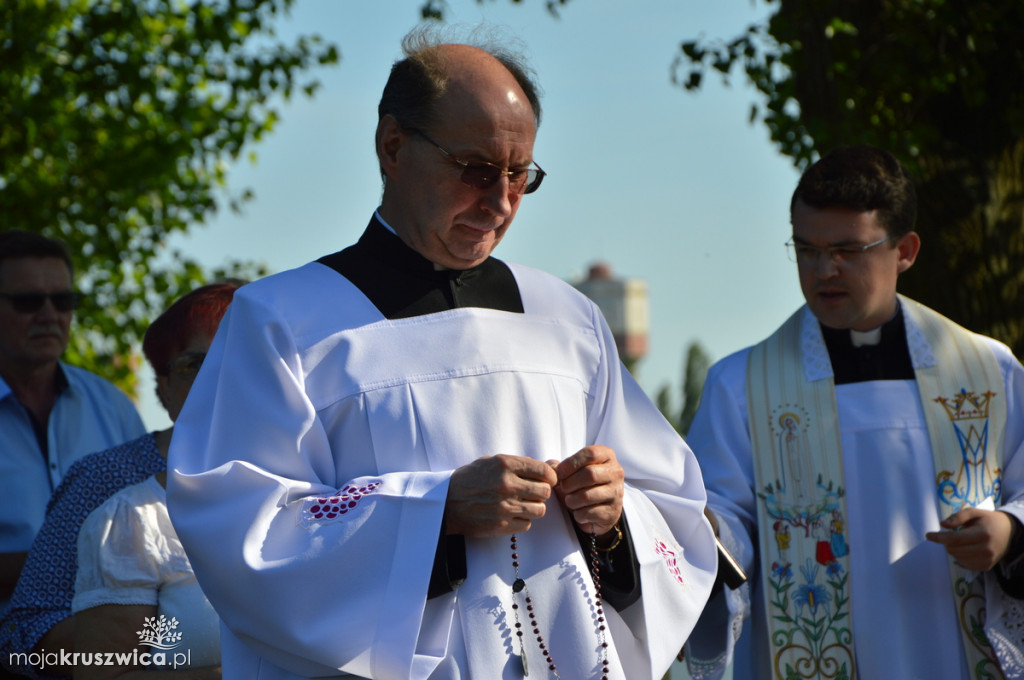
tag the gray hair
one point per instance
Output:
(421, 78)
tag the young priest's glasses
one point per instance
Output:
(483, 176)
(805, 253)
(29, 303)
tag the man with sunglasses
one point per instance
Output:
(51, 414)
(410, 459)
(865, 463)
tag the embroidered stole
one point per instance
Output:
(801, 496)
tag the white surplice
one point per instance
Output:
(904, 619)
(311, 465)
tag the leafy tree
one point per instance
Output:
(119, 119)
(697, 363)
(663, 400)
(434, 10)
(938, 83)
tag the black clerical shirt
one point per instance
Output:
(888, 360)
(401, 283)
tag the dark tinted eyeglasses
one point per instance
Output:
(187, 364)
(482, 176)
(29, 303)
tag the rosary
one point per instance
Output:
(519, 586)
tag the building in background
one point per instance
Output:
(626, 306)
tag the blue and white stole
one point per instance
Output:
(801, 494)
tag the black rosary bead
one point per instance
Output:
(519, 586)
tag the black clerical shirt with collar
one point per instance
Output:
(401, 283)
(887, 360)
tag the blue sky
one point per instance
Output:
(673, 187)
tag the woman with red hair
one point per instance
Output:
(134, 581)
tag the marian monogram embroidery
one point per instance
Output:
(976, 480)
(333, 508)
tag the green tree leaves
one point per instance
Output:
(697, 363)
(937, 82)
(120, 118)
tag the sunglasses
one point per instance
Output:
(29, 303)
(483, 176)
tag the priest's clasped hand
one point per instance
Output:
(590, 486)
(498, 495)
(502, 494)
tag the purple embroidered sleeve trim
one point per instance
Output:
(320, 510)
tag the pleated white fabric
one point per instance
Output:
(310, 469)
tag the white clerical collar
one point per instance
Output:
(874, 336)
(866, 338)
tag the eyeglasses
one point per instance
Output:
(29, 303)
(483, 176)
(805, 253)
(186, 365)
